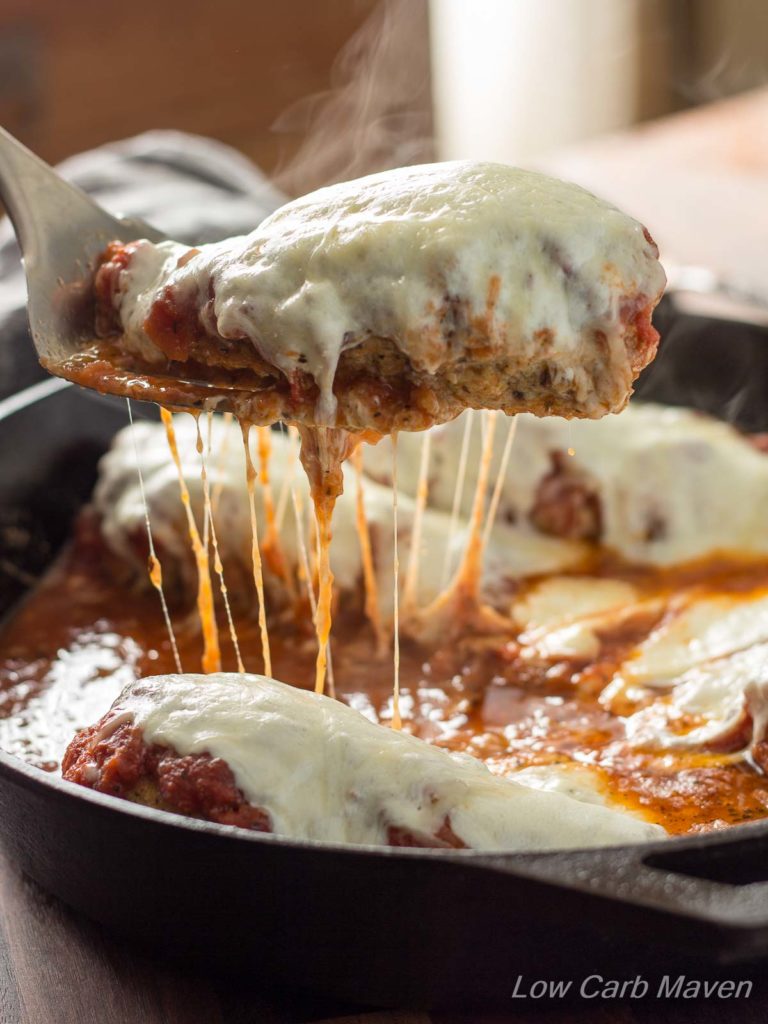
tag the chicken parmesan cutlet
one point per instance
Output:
(247, 750)
(393, 302)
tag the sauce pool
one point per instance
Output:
(82, 635)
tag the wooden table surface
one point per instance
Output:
(57, 968)
(700, 180)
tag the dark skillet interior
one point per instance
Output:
(381, 927)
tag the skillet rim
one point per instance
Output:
(29, 776)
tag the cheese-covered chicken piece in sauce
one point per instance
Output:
(395, 301)
(656, 485)
(247, 750)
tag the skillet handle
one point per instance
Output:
(712, 889)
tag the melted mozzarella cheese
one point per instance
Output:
(704, 629)
(715, 697)
(511, 554)
(565, 616)
(700, 679)
(577, 641)
(387, 255)
(573, 780)
(701, 480)
(323, 771)
(561, 599)
(673, 485)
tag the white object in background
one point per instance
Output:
(515, 78)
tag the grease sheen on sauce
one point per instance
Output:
(82, 636)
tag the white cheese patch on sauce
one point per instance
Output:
(399, 255)
(702, 630)
(672, 484)
(563, 616)
(561, 599)
(577, 641)
(700, 679)
(725, 701)
(323, 771)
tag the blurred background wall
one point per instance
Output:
(76, 73)
(320, 89)
(514, 79)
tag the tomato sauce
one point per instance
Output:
(82, 635)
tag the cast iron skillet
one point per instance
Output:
(386, 927)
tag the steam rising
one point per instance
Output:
(377, 113)
(720, 48)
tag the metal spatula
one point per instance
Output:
(61, 232)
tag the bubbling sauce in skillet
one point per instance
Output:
(82, 635)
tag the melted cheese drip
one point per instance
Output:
(305, 573)
(462, 602)
(210, 528)
(154, 567)
(422, 490)
(493, 508)
(458, 493)
(258, 569)
(211, 652)
(264, 443)
(513, 551)
(323, 616)
(290, 472)
(468, 577)
(303, 568)
(220, 459)
(155, 571)
(397, 722)
(273, 551)
(372, 610)
(199, 448)
(323, 451)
